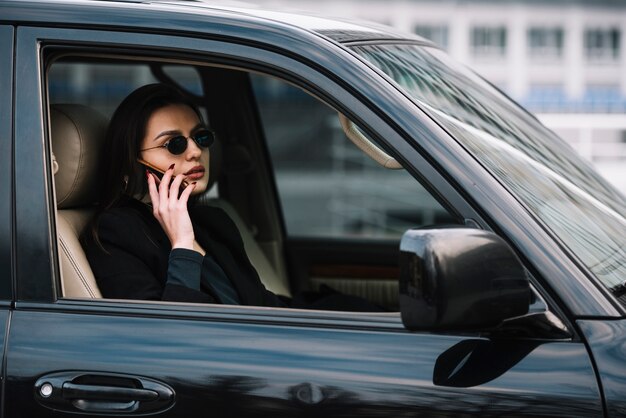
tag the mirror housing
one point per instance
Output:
(459, 279)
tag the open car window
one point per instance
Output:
(315, 184)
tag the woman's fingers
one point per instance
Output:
(154, 193)
(184, 196)
(175, 189)
(164, 197)
(170, 209)
(164, 187)
(170, 201)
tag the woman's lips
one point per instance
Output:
(195, 173)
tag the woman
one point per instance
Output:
(146, 241)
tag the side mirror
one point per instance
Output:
(459, 279)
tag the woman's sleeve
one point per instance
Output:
(122, 270)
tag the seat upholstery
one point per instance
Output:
(77, 279)
(77, 138)
(268, 274)
(238, 161)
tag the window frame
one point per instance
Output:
(7, 278)
(551, 46)
(489, 37)
(608, 48)
(37, 288)
(439, 33)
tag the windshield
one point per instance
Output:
(540, 169)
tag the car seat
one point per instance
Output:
(77, 134)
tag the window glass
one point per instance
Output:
(603, 98)
(602, 44)
(327, 186)
(489, 41)
(583, 210)
(436, 33)
(552, 98)
(546, 98)
(100, 86)
(545, 43)
(103, 86)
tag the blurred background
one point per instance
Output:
(564, 60)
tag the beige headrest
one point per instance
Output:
(77, 134)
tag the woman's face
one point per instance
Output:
(166, 123)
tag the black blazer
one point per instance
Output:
(132, 260)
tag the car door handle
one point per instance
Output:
(96, 393)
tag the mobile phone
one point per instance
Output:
(158, 172)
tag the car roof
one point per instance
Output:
(99, 12)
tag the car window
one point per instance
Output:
(103, 85)
(583, 210)
(327, 186)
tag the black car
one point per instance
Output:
(353, 159)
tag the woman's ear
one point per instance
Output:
(55, 165)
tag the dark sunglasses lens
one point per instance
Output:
(204, 138)
(177, 145)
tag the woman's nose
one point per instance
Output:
(193, 150)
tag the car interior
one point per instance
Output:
(316, 201)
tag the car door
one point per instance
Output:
(6, 189)
(97, 356)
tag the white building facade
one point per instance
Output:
(563, 60)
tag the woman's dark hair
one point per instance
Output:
(121, 174)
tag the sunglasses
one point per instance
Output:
(178, 144)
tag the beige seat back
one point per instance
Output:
(77, 280)
(274, 279)
(267, 273)
(77, 136)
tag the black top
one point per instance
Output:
(190, 269)
(136, 261)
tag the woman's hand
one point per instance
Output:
(170, 209)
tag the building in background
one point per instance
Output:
(563, 60)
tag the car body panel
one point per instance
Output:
(607, 343)
(6, 193)
(6, 161)
(268, 368)
(200, 17)
(5, 315)
(34, 249)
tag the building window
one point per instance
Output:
(436, 33)
(603, 98)
(545, 43)
(546, 98)
(602, 44)
(489, 41)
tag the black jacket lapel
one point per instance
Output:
(219, 236)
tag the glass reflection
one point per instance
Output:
(542, 171)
